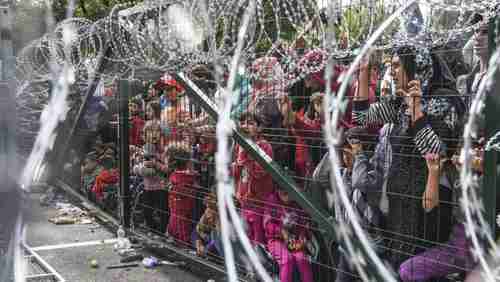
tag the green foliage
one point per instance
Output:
(89, 9)
(356, 22)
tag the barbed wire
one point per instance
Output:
(174, 36)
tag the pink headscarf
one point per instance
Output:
(267, 70)
(313, 65)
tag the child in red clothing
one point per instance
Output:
(136, 123)
(253, 183)
(307, 129)
(287, 232)
(182, 194)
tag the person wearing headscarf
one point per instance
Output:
(312, 68)
(426, 111)
(267, 101)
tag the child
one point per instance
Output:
(454, 256)
(208, 224)
(253, 183)
(136, 123)
(363, 178)
(307, 129)
(286, 230)
(208, 237)
(203, 164)
(182, 193)
(106, 182)
(89, 171)
(174, 114)
(151, 169)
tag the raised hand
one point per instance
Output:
(433, 162)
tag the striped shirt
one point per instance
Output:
(389, 111)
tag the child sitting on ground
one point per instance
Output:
(208, 224)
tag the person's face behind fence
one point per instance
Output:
(480, 45)
(398, 73)
(318, 106)
(171, 93)
(250, 127)
(284, 197)
(347, 156)
(150, 113)
(312, 83)
(133, 109)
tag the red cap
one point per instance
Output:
(164, 83)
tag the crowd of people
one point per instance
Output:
(400, 150)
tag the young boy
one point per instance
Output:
(363, 178)
(253, 183)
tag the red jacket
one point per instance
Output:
(182, 195)
(253, 183)
(105, 178)
(303, 129)
(135, 137)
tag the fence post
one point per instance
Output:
(10, 196)
(492, 104)
(124, 193)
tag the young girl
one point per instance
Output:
(253, 183)
(286, 231)
(182, 194)
(307, 130)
